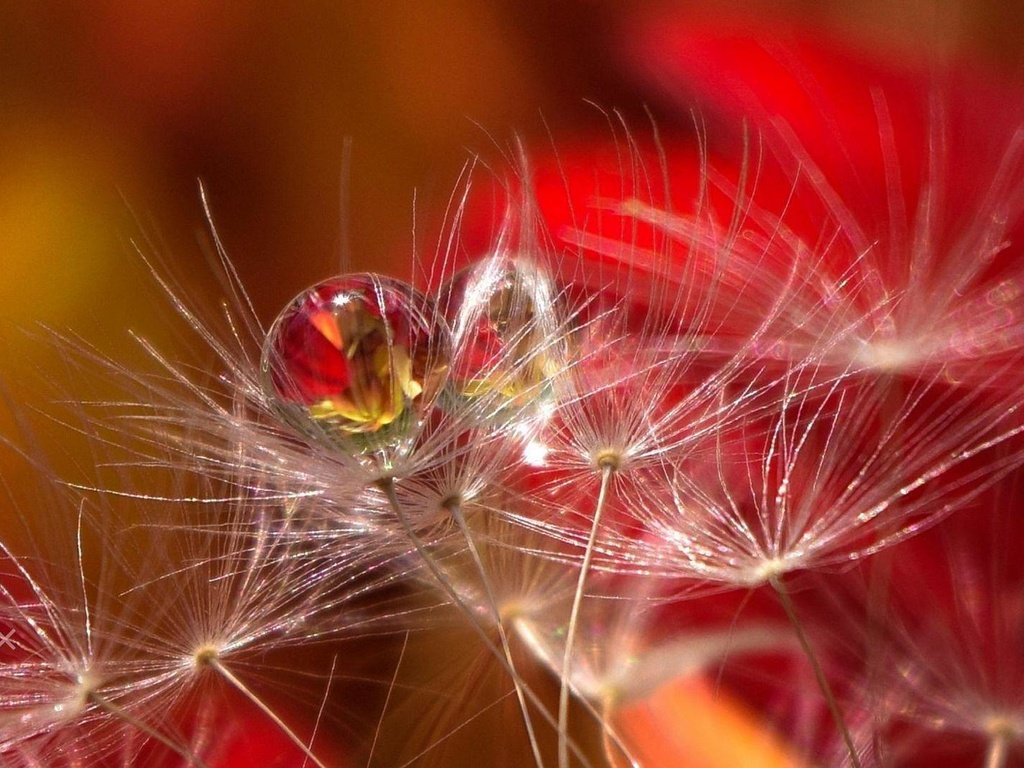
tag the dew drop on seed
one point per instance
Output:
(505, 329)
(356, 361)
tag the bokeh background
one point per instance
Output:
(111, 111)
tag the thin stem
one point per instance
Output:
(819, 673)
(388, 486)
(570, 634)
(387, 701)
(112, 709)
(998, 749)
(527, 634)
(323, 704)
(456, 512)
(214, 664)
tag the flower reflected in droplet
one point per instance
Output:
(357, 359)
(505, 325)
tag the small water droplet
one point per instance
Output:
(504, 322)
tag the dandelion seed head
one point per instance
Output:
(1006, 725)
(772, 568)
(203, 655)
(609, 459)
(890, 355)
(840, 470)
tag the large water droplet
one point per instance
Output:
(357, 360)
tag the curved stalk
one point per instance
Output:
(455, 510)
(112, 709)
(242, 688)
(998, 750)
(819, 673)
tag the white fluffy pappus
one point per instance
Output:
(912, 274)
(124, 611)
(936, 630)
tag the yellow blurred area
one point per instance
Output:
(56, 205)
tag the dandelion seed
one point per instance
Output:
(901, 245)
(939, 628)
(637, 393)
(835, 475)
(71, 679)
(189, 591)
(389, 367)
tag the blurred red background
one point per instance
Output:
(109, 107)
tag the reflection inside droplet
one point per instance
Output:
(357, 359)
(506, 335)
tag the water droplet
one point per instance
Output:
(506, 336)
(357, 360)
